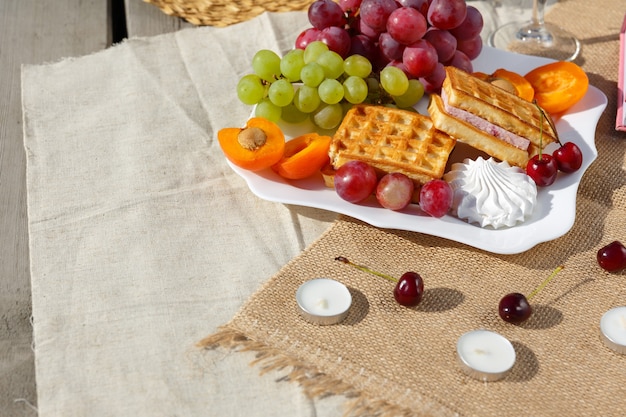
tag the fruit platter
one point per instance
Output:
(554, 202)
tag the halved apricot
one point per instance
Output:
(257, 146)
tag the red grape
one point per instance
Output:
(433, 82)
(364, 29)
(471, 26)
(612, 257)
(436, 198)
(443, 42)
(306, 37)
(461, 61)
(569, 157)
(447, 14)
(364, 46)
(409, 289)
(406, 25)
(390, 48)
(420, 5)
(326, 13)
(543, 169)
(374, 13)
(337, 39)
(394, 191)
(355, 181)
(350, 5)
(420, 58)
(470, 47)
(514, 308)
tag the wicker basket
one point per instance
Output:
(222, 13)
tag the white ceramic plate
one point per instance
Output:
(552, 218)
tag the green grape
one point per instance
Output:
(328, 116)
(250, 89)
(312, 74)
(281, 92)
(330, 91)
(266, 64)
(268, 110)
(394, 81)
(307, 99)
(291, 64)
(372, 84)
(314, 50)
(332, 63)
(358, 66)
(413, 94)
(355, 89)
(291, 114)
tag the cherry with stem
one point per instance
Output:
(409, 288)
(515, 307)
(542, 168)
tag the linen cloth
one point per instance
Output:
(141, 236)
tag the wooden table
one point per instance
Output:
(35, 32)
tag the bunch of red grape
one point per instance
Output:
(356, 180)
(418, 36)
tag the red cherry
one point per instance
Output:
(514, 308)
(409, 289)
(568, 157)
(542, 168)
(612, 257)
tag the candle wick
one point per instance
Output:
(323, 303)
(481, 351)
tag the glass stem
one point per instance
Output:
(539, 7)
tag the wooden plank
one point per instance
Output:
(144, 19)
(31, 32)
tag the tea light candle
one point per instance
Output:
(323, 301)
(613, 326)
(485, 355)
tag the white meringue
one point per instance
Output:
(490, 193)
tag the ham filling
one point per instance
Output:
(485, 126)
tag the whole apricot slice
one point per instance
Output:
(558, 85)
(303, 156)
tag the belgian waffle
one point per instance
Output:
(392, 140)
(496, 107)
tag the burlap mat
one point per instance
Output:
(399, 361)
(221, 13)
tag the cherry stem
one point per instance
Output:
(545, 282)
(365, 269)
(550, 122)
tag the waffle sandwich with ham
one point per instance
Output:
(490, 119)
(392, 140)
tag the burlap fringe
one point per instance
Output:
(315, 384)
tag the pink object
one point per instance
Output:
(620, 122)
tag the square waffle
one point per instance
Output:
(499, 107)
(392, 140)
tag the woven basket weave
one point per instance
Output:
(222, 13)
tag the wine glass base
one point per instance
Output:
(528, 38)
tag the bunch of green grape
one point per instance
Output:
(319, 84)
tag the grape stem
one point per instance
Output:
(365, 269)
(545, 282)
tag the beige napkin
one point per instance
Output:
(141, 237)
